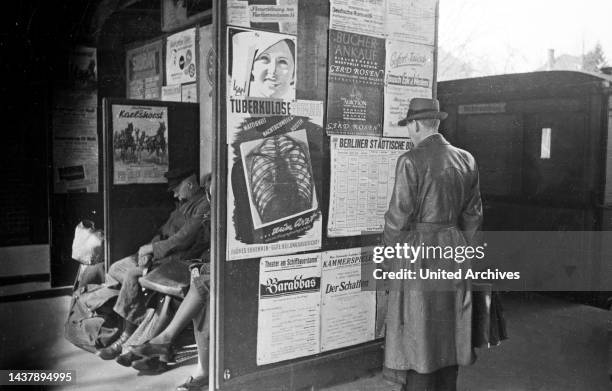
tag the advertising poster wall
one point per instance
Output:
(140, 144)
(355, 84)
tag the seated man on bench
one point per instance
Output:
(183, 236)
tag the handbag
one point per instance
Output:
(87, 243)
(488, 322)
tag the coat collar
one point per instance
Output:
(435, 138)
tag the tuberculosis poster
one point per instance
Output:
(409, 74)
(140, 144)
(355, 84)
(362, 180)
(288, 322)
(274, 177)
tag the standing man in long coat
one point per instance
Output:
(435, 202)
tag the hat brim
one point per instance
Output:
(172, 187)
(441, 115)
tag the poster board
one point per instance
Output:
(144, 70)
(236, 283)
(134, 208)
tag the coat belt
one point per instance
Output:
(431, 227)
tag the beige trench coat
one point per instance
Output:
(435, 202)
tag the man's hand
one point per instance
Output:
(146, 249)
(145, 260)
(145, 255)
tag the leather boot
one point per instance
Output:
(113, 350)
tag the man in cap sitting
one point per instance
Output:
(182, 236)
(435, 202)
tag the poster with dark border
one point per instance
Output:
(275, 179)
(355, 84)
(140, 144)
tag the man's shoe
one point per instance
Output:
(149, 364)
(113, 350)
(126, 359)
(193, 384)
(165, 351)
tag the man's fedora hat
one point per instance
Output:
(421, 108)
(177, 175)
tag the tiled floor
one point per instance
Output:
(553, 346)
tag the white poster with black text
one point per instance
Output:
(288, 322)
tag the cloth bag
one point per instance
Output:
(92, 324)
(87, 243)
(488, 322)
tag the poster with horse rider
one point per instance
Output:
(140, 144)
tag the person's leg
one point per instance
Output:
(201, 331)
(446, 378)
(131, 302)
(201, 326)
(188, 310)
(118, 270)
(419, 381)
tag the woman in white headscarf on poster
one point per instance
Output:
(263, 65)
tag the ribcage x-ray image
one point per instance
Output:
(279, 177)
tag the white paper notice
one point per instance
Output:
(412, 20)
(288, 323)
(238, 13)
(181, 64)
(362, 180)
(75, 141)
(171, 93)
(408, 74)
(189, 93)
(347, 314)
(252, 13)
(358, 16)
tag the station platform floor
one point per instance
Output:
(554, 345)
